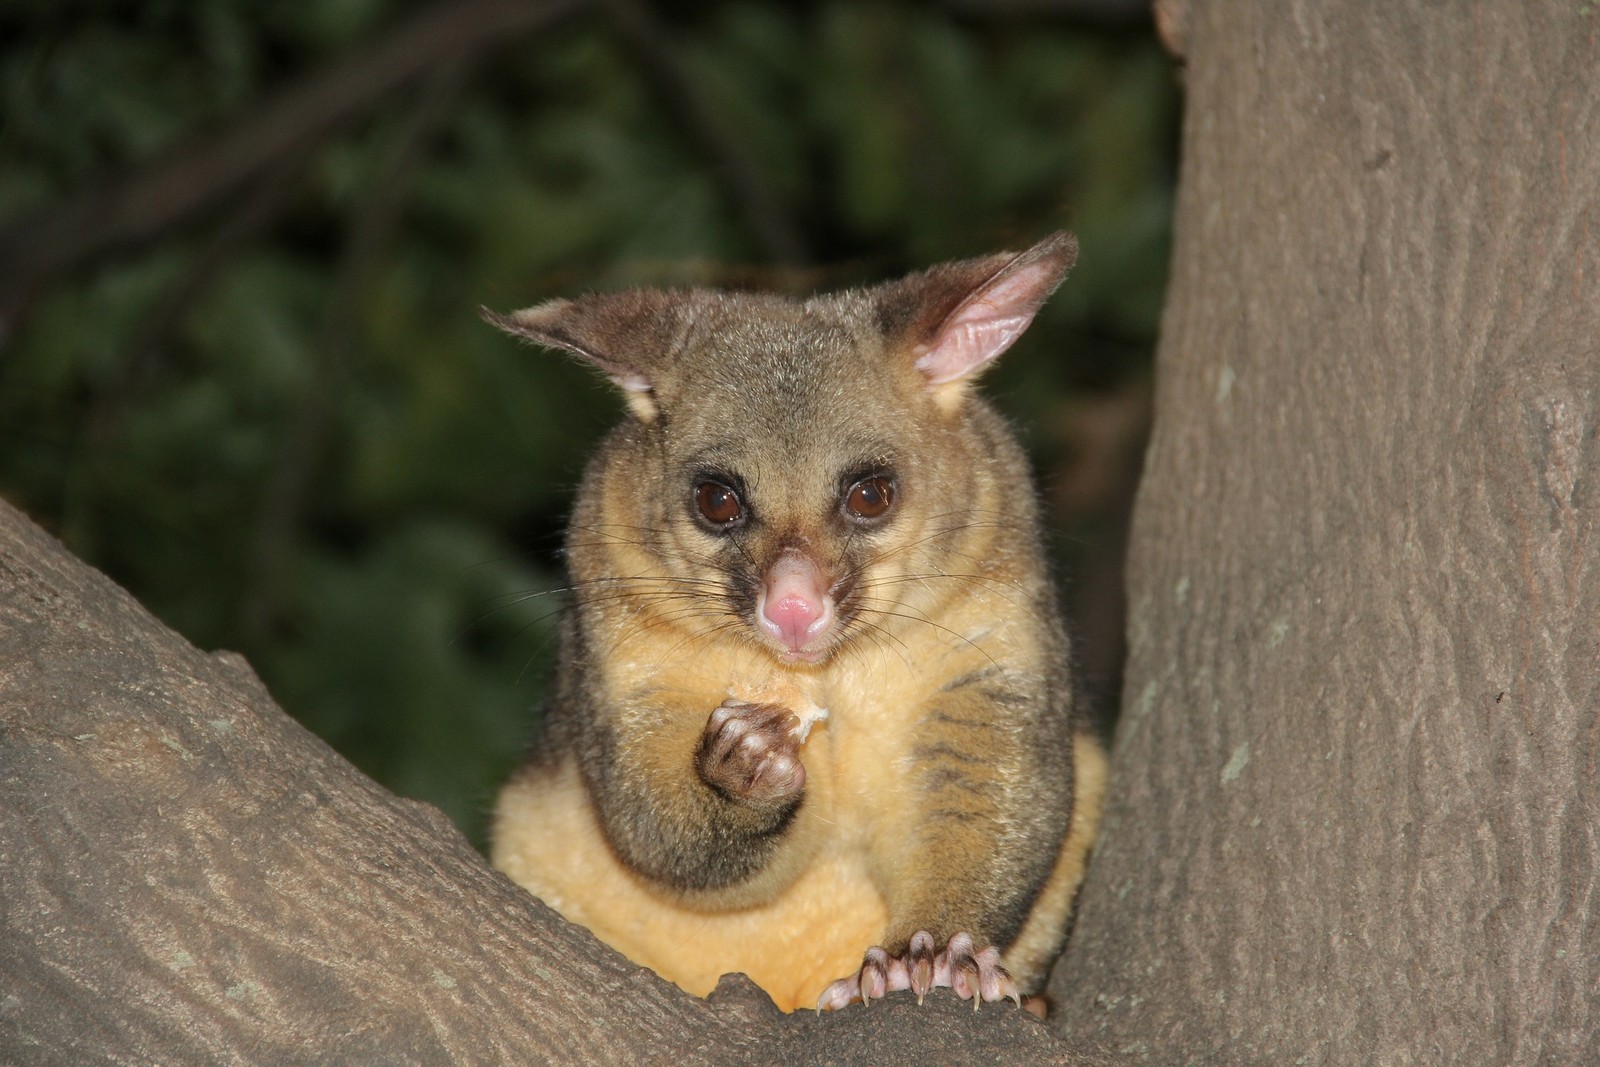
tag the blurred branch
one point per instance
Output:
(265, 202)
(145, 203)
(371, 233)
(739, 174)
(120, 390)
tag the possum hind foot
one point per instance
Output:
(975, 975)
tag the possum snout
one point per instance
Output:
(794, 607)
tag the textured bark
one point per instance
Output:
(1354, 807)
(188, 876)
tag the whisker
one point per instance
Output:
(880, 638)
(926, 621)
(997, 586)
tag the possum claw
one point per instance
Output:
(965, 977)
(874, 979)
(971, 974)
(920, 956)
(838, 995)
(979, 975)
(994, 981)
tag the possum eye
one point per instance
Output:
(870, 498)
(718, 505)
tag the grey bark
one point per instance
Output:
(188, 876)
(1355, 815)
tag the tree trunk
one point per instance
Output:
(1354, 798)
(188, 876)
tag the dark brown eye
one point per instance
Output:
(719, 505)
(870, 498)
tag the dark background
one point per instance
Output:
(242, 247)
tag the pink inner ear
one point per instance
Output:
(987, 324)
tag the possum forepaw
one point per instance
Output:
(751, 752)
(975, 975)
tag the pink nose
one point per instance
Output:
(791, 617)
(794, 606)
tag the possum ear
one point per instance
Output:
(618, 333)
(955, 319)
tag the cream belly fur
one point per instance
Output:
(792, 946)
(811, 932)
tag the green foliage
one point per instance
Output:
(293, 437)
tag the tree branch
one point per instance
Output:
(305, 438)
(144, 204)
(739, 174)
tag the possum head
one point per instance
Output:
(793, 469)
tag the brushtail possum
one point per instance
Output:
(813, 717)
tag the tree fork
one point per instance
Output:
(189, 876)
